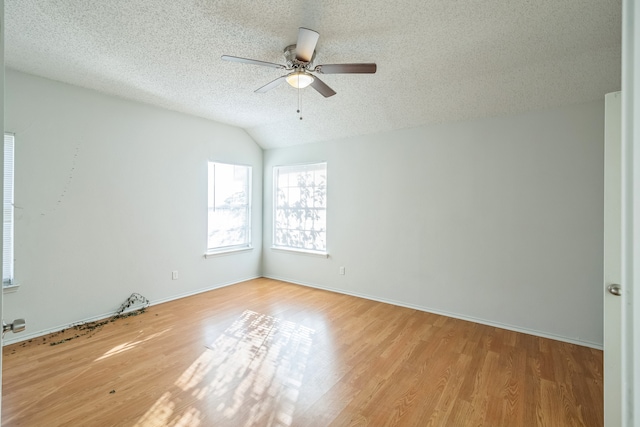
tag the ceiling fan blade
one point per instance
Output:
(306, 44)
(347, 68)
(251, 61)
(322, 87)
(271, 85)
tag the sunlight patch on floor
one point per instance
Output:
(128, 346)
(250, 375)
(161, 412)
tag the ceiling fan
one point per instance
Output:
(299, 62)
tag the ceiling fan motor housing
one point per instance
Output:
(293, 62)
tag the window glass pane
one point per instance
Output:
(229, 206)
(300, 207)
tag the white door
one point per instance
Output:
(612, 261)
(630, 251)
(1, 155)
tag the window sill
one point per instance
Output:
(229, 251)
(301, 251)
(10, 289)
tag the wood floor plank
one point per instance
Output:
(270, 353)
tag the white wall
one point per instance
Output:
(111, 196)
(496, 220)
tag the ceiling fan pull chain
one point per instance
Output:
(299, 102)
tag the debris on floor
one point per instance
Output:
(87, 328)
(135, 305)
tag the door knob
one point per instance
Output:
(18, 325)
(614, 289)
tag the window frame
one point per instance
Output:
(279, 247)
(248, 243)
(8, 221)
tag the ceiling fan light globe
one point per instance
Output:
(299, 80)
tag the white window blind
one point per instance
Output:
(7, 202)
(300, 215)
(229, 206)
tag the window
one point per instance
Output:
(7, 203)
(229, 207)
(300, 217)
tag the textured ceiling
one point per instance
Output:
(438, 60)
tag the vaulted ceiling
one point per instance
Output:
(438, 60)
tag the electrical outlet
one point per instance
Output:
(342, 270)
(174, 275)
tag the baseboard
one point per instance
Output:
(527, 331)
(29, 336)
(199, 291)
(24, 337)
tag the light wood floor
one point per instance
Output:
(268, 353)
